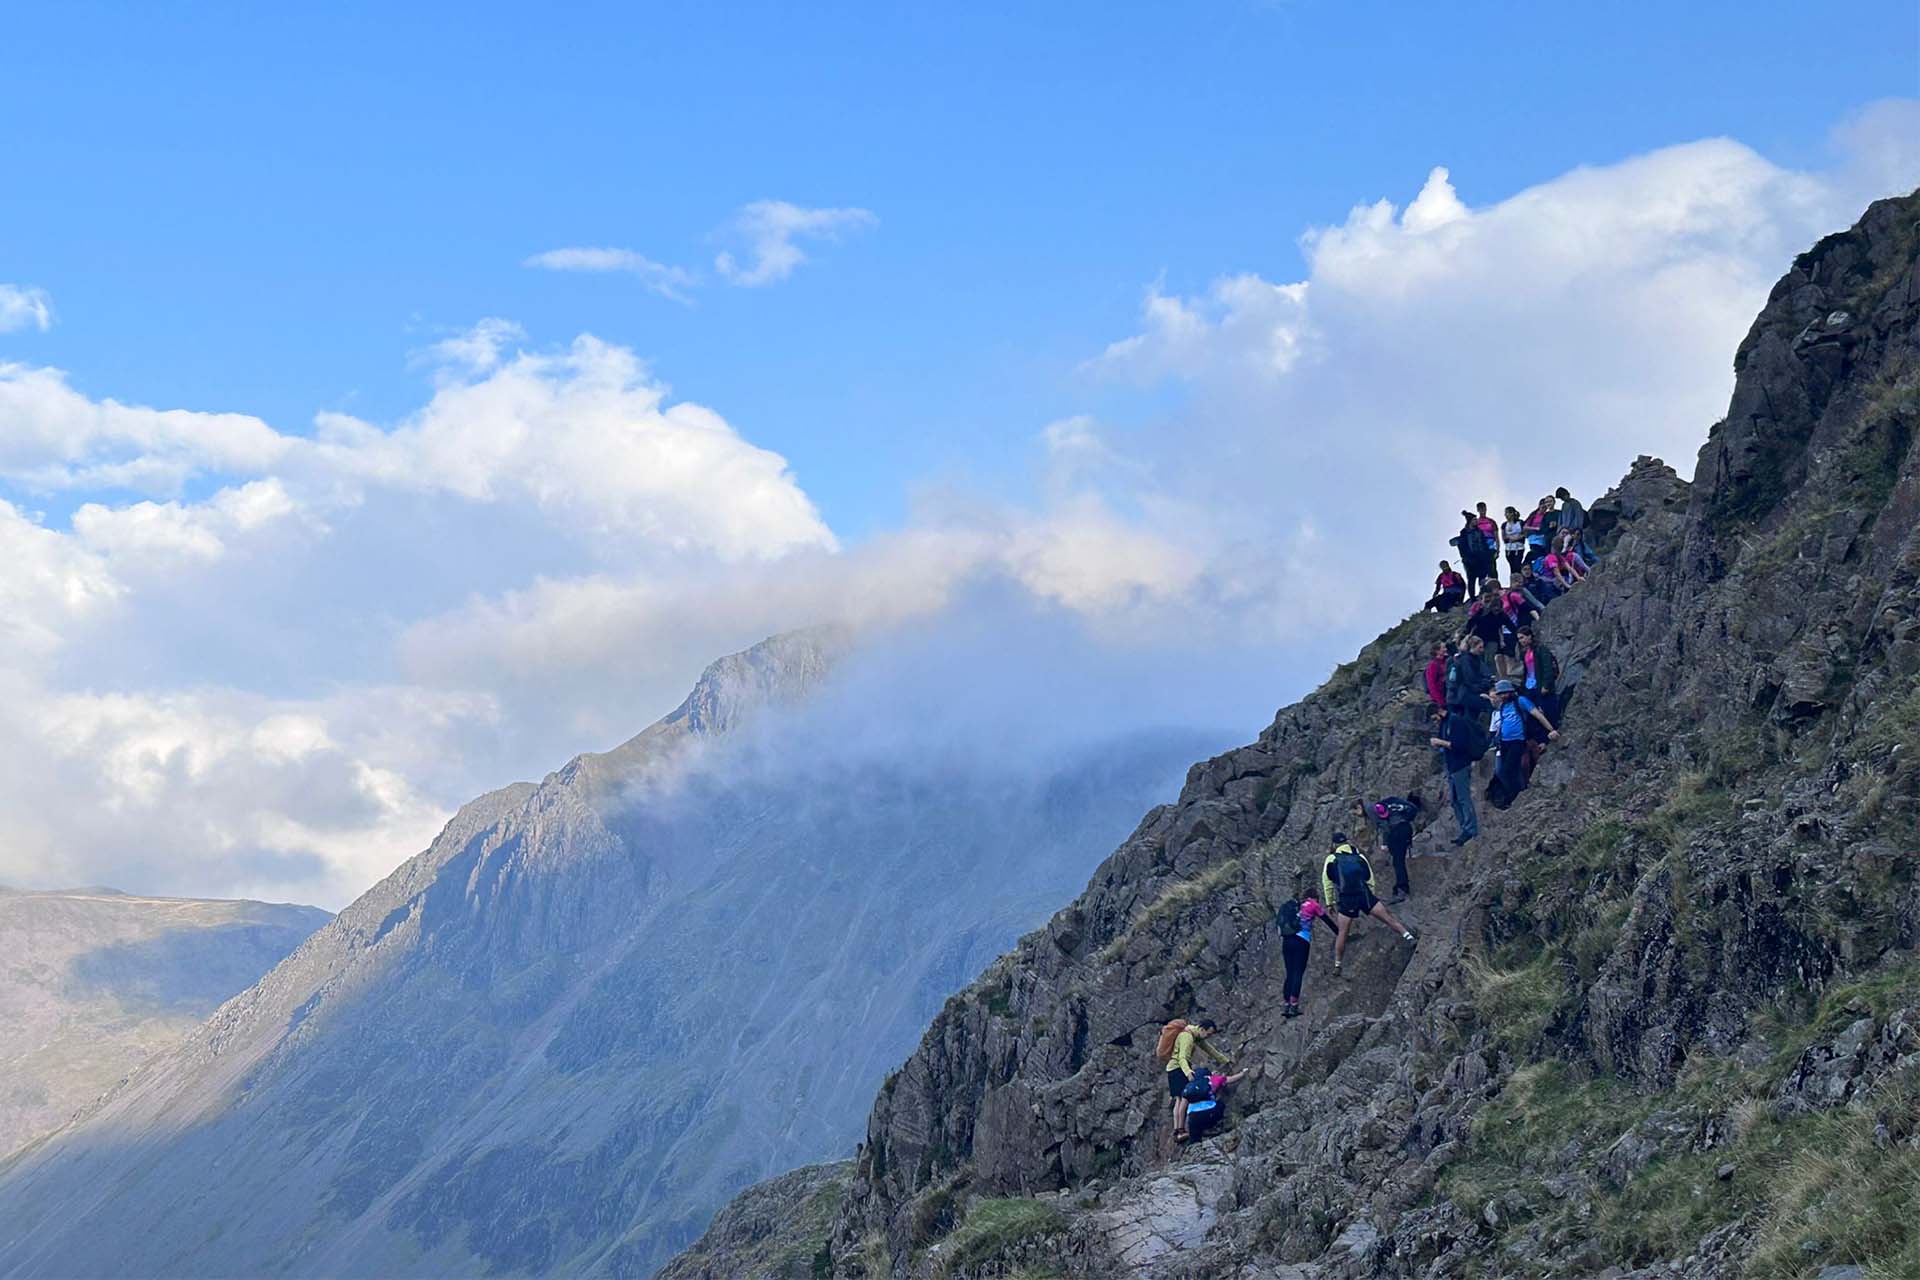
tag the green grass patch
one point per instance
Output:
(1518, 1003)
(1178, 897)
(992, 1227)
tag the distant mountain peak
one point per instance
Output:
(780, 670)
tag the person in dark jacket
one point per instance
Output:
(1573, 519)
(1468, 678)
(1395, 816)
(1540, 674)
(1473, 552)
(1455, 741)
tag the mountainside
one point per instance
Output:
(1663, 1017)
(93, 981)
(593, 1010)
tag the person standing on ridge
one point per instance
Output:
(1573, 519)
(1346, 880)
(1295, 919)
(1468, 678)
(1490, 537)
(1473, 551)
(1457, 747)
(1513, 531)
(1510, 714)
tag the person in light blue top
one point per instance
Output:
(1511, 708)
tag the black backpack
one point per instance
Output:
(1199, 1088)
(1399, 811)
(1288, 917)
(1349, 873)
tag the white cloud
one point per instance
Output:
(480, 348)
(279, 672)
(768, 229)
(24, 307)
(667, 281)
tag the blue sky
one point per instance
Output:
(1172, 336)
(264, 209)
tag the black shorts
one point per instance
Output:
(1366, 908)
(1177, 1081)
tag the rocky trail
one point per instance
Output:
(1663, 1017)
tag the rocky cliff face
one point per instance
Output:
(1662, 1014)
(596, 1008)
(92, 982)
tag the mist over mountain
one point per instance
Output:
(601, 1004)
(92, 982)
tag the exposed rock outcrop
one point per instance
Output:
(1663, 988)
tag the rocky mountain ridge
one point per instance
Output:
(590, 1012)
(1663, 1017)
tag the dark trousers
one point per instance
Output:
(1399, 840)
(1511, 765)
(1460, 791)
(1294, 949)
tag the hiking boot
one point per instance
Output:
(1399, 895)
(1336, 968)
(1291, 1011)
(1457, 841)
(1407, 936)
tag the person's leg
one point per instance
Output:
(1508, 766)
(1398, 842)
(1341, 923)
(1293, 948)
(1385, 916)
(1460, 790)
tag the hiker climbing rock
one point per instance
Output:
(1204, 1112)
(1395, 816)
(1468, 679)
(1178, 1041)
(1295, 919)
(1539, 674)
(1511, 713)
(1346, 881)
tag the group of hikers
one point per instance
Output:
(1496, 686)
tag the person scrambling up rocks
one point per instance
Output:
(1346, 880)
(1178, 1040)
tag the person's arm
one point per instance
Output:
(1217, 1055)
(1533, 600)
(1547, 724)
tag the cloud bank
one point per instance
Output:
(267, 661)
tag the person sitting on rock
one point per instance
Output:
(1449, 589)
(1180, 1067)
(1567, 545)
(1346, 880)
(1296, 945)
(1573, 519)
(1510, 714)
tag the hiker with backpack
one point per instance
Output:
(1468, 679)
(1473, 553)
(1512, 712)
(1295, 919)
(1485, 618)
(1346, 879)
(1542, 524)
(1204, 1113)
(1395, 815)
(1462, 741)
(1178, 1041)
(1449, 589)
